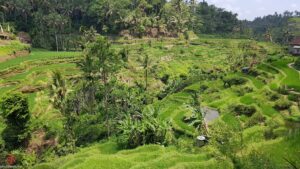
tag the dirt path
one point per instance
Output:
(21, 53)
(292, 67)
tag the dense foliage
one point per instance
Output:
(297, 64)
(154, 101)
(14, 109)
(278, 28)
(56, 25)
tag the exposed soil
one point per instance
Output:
(40, 142)
(21, 53)
(32, 89)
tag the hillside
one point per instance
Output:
(151, 156)
(293, 25)
(271, 128)
(10, 49)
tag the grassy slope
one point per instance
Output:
(8, 47)
(292, 77)
(150, 157)
(35, 70)
(172, 58)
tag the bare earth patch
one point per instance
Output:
(13, 56)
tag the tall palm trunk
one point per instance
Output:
(146, 78)
(1, 29)
(56, 41)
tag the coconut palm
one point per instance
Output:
(58, 90)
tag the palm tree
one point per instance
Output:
(58, 90)
(268, 35)
(146, 66)
(1, 29)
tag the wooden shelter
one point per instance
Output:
(4, 36)
(295, 46)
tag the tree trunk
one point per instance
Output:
(146, 79)
(1, 29)
(56, 41)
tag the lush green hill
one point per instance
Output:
(150, 156)
(294, 26)
(8, 47)
(176, 58)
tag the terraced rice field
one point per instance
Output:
(150, 156)
(173, 58)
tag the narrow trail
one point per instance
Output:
(292, 67)
(281, 72)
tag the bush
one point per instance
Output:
(269, 134)
(241, 91)
(297, 64)
(211, 90)
(273, 124)
(88, 130)
(273, 96)
(282, 104)
(165, 79)
(86, 134)
(257, 118)
(254, 72)
(20, 159)
(256, 160)
(203, 88)
(124, 54)
(135, 132)
(233, 80)
(282, 90)
(242, 109)
(15, 111)
(293, 97)
(24, 159)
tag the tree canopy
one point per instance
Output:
(56, 24)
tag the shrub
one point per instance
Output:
(135, 132)
(212, 90)
(165, 78)
(257, 118)
(269, 134)
(203, 88)
(282, 104)
(241, 91)
(24, 159)
(282, 90)
(297, 64)
(254, 72)
(183, 76)
(89, 133)
(124, 54)
(294, 97)
(15, 111)
(241, 109)
(233, 80)
(274, 96)
(256, 160)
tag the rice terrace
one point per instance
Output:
(140, 84)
